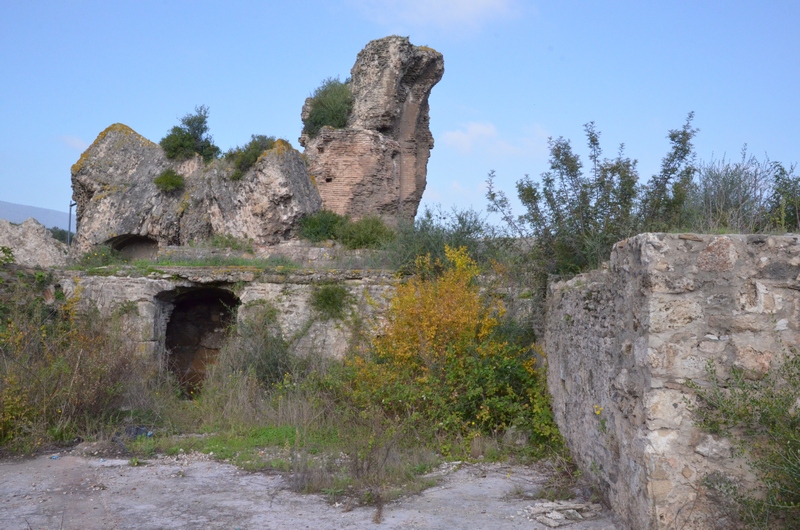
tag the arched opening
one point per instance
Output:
(195, 333)
(131, 246)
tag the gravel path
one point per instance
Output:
(194, 492)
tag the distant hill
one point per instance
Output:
(16, 213)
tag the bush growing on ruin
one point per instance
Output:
(441, 363)
(368, 232)
(762, 417)
(6, 255)
(320, 226)
(331, 104)
(574, 215)
(330, 300)
(190, 137)
(245, 157)
(169, 180)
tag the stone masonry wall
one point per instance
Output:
(148, 302)
(622, 343)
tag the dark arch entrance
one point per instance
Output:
(131, 246)
(195, 332)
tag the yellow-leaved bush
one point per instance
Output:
(440, 360)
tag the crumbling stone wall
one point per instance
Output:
(622, 343)
(146, 303)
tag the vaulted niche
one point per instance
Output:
(195, 333)
(131, 246)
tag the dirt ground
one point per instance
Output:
(67, 491)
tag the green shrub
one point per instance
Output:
(63, 371)
(169, 181)
(6, 255)
(321, 226)
(761, 416)
(368, 232)
(190, 137)
(246, 156)
(330, 300)
(331, 104)
(440, 364)
(431, 232)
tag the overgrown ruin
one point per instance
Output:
(623, 344)
(378, 163)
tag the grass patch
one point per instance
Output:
(232, 242)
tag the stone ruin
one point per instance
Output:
(377, 165)
(622, 344)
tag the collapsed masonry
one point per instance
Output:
(622, 343)
(377, 165)
(181, 315)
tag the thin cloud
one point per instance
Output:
(73, 142)
(484, 135)
(473, 133)
(445, 14)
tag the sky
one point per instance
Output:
(517, 72)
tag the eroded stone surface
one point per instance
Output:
(118, 201)
(32, 244)
(622, 343)
(378, 164)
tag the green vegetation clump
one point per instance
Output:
(761, 416)
(169, 180)
(99, 256)
(191, 137)
(368, 232)
(245, 157)
(6, 255)
(321, 226)
(331, 104)
(59, 234)
(330, 300)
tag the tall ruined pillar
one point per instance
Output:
(378, 163)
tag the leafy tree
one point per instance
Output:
(571, 219)
(59, 234)
(665, 196)
(191, 137)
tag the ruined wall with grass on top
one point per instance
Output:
(623, 344)
(319, 312)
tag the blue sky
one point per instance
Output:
(516, 73)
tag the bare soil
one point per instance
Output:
(69, 491)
